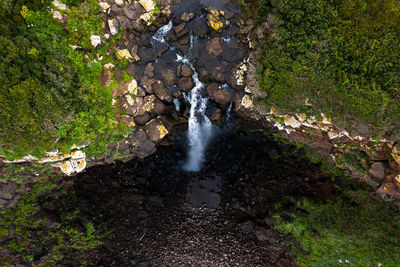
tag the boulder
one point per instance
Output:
(218, 95)
(135, 107)
(128, 120)
(168, 77)
(214, 46)
(187, 16)
(155, 130)
(161, 91)
(146, 55)
(185, 83)
(148, 5)
(148, 84)
(186, 71)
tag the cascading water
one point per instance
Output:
(200, 128)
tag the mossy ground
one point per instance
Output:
(339, 55)
(50, 94)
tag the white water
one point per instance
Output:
(200, 127)
(177, 105)
(228, 112)
(162, 32)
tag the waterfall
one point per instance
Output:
(200, 127)
(228, 112)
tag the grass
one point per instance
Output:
(355, 227)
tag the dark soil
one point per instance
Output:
(154, 214)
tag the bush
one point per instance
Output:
(340, 55)
(48, 90)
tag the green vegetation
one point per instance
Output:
(341, 55)
(22, 227)
(355, 226)
(48, 90)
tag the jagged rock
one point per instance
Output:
(216, 115)
(149, 103)
(168, 77)
(124, 53)
(247, 102)
(135, 107)
(114, 26)
(132, 87)
(160, 108)
(128, 120)
(377, 171)
(161, 91)
(218, 95)
(186, 71)
(141, 145)
(155, 130)
(214, 46)
(133, 11)
(148, 5)
(95, 40)
(185, 83)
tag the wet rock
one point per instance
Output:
(143, 119)
(186, 71)
(160, 49)
(247, 227)
(185, 83)
(377, 171)
(199, 27)
(214, 46)
(171, 37)
(168, 77)
(179, 28)
(155, 130)
(216, 115)
(161, 91)
(149, 70)
(114, 26)
(146, 55)
(218, 95)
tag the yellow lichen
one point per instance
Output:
(215, 25)
(163, 131)
(124, 53)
